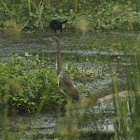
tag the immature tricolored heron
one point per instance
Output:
(65, 82)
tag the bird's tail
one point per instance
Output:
(65, 21)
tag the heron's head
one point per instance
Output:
(51, 38)
(54, 38)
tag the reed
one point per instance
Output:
(128, 122)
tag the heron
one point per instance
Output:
(65, 82)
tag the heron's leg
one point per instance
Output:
(61, 31)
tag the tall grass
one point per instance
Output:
(128, 111)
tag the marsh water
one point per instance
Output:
(92, 51)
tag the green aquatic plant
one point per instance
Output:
(101, 15)
(127, 122)
(30, 81)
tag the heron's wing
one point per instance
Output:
(66, 80)
(67, 86)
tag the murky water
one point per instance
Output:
(73, 51)
(46, 124)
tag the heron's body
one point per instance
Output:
(65, 82)
(67, 86)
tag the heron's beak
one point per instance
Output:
(50, 38)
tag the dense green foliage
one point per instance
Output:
(27, 82)
(98, 15)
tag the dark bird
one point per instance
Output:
(57, 25)
(65, 83)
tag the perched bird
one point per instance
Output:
(57, 25)
(65, 83)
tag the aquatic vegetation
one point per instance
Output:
(27, 82)
(101, 15)
(127, 121)
(11, 28)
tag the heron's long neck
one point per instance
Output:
(58, 64)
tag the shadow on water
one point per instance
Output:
(80, 50)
